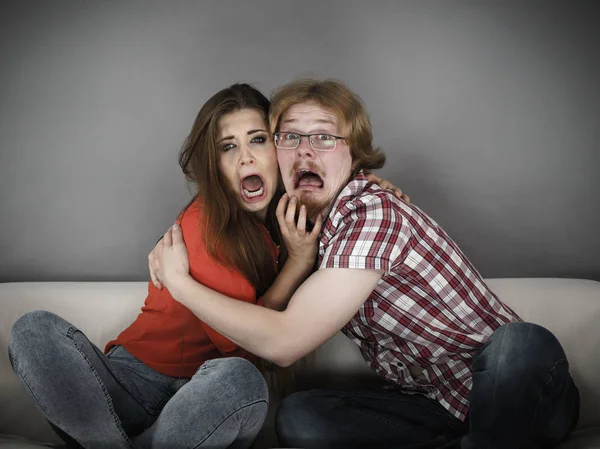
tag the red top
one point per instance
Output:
(169, 338)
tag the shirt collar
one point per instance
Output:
(353, 189)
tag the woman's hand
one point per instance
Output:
(386, 185)
(173, 261)
(301, 245)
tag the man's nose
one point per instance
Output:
(305, 149)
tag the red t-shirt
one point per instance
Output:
(169, 338)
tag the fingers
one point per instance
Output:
(291, 211)
(176, 234)
(280, 211)
(397, 192)
(317, 228)
(302, 220)
(153, 265)
(153, 276)
(168, 239)
(405, 198)
(372, 177)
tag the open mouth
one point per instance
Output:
(253, 188)
(304, 178)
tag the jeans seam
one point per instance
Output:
(560, 361)
(70, 331)
(226, 418)
(150, 410)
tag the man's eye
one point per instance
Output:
(290, 136)
(324, 137)
(259, 139)
(227, 147)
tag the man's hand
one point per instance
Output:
(173, 262)
(153, 267)
(301, 245)
(386, 185)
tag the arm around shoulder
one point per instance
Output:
(319, 308)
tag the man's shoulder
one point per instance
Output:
(372, 201)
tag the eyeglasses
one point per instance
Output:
(318, 142)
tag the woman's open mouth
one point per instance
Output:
(253, 188)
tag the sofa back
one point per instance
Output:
(568, 307)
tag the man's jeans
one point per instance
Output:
(522, 397)
(115, 401)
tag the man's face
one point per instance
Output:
(315, 177)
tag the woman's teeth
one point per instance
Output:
(259, 192)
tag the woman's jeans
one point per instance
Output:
(522, 397)
(116, 401)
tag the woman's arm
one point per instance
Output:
(301, 248)
(302, 252)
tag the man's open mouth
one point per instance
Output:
(253, 187)
(306, 178)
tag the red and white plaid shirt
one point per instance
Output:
(431, 311)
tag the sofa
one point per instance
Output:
(568, 307)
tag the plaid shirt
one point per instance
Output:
(431, 311)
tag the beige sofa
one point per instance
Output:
(568, 307)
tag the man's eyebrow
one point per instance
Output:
(321, 120)
(252, 131)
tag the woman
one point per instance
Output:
(169, 380)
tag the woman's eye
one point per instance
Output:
(259, 139)
(227, 147)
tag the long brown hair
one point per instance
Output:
(345, 104)
(233, 235)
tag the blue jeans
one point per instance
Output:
(522, 397)
(115, 401)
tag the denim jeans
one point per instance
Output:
(522, 397)
(115, 401)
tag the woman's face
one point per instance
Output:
(248, 159)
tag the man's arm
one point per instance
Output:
(318, 309)
(286, 283)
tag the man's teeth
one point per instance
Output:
(259, 192)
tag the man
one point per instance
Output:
(461, 368)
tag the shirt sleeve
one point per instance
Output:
(371, 235)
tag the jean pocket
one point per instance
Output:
(120, 354)
(112, 350)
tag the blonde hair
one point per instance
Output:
(337, 98)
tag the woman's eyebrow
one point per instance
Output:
(224, 138)
(252, 131)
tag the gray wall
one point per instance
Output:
(489, 112)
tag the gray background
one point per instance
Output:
(489, 112)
